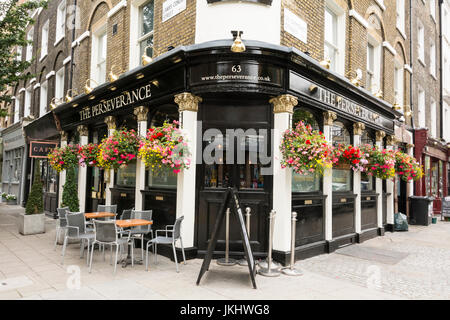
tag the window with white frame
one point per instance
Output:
(373, 63)
(421, 42)
(27, 104)
(29, 52)
(146, 17)
(401, 15)
(19, 54)
(61, 21)
(59, 84)
(44, 39)
(433, 9)
(433, 59)
(421, 108)
(433, 118)
(16, 110)
(335, 36)
(398, 83)
(43, 99)
(98, 55)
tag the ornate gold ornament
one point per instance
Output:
(112, 76)
(145, 58)
(379, 135)
(83, 130)
(87, 86)
(186, 101)
(329, 117)
(141, 113)
(68, 98)
(54, 103)
(326, 63)
(358, 128)
(284, 103)
(238, 45)
(110, 122)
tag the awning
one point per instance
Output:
(41, 129)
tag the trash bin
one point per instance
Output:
(421, 210)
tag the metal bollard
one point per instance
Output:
(291, 271)
(227, 261)
(270, 271)
(243, 262)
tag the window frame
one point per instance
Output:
(433, 122)
(29, 51)
(376, 73)
(44, 39)
(59, 83)
(339, 47)
(43, 99)
(60, 22)
(27, 101)
(421, 108)
(421, 42)
(400, 16)
(399, 83)
(433, 58)
(97, 41)
(135, 32)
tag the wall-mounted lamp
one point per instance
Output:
(408, 112)
(112, 76)
(54, 103)
(396, 106)
(379, 94)
(145, 58)
(238, 45)
(326, 63)
(68, 98)
(87, 86)
(313, 89)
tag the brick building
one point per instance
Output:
(346, 66)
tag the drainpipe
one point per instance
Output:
(411, 49)
(73, 48)
(441, 73)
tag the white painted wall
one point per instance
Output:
(257, 21)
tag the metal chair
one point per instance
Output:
(140, 231)
(126, 214)
(62, 225)
(105, 208)
(76, 229)
(107, 233)
(175, 229)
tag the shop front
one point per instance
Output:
(233, 109)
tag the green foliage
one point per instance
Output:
(14, 19)
(35, 202)
(70, 192)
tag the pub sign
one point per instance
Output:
(40, 149)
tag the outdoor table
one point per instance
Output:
(97, 215)
(128, 224)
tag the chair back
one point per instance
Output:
(62, 212)
(104, 208)
(105, 231)
(126, 214)
(76, 219)
(144, 215)
(177, 228)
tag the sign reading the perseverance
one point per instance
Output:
(125, 99)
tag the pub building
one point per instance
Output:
(212, 90)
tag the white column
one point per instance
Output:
(390, 187)
(141, 113)
(188, 108)
(62, 174)
(329, 117)
(379, 182)
(283, 107)
(358, 128)
(410, 183)
(82, 171)
(109, 176)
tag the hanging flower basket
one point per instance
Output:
(407, 167)
(118, 150)
(305, 150)
(165, 148)
(380, 163)
(348, 156)
(63, 158)
(88, 154)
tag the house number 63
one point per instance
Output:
(236, 68)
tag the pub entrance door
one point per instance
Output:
(95, 193)
(231, 158)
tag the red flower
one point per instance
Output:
(308, 142)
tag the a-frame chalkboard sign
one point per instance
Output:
(231, 200)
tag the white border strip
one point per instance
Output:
(118, 6)
(388, 46)
(50, 74)
(77, 41)
(21, 90)
(408, 68)
(67, 60)
(32, 80)
(381, 4)
(38, 85)
(359, 18)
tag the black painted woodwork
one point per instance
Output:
(368, 211)
(343, 214)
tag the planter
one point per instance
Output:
(433, 220)
(31, 224)
(11, 202)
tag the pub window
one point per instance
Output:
(434, 179)
(310, 182)
(217, 172)
(126, 177)
(145, 40)
(342, 176)
(250, 176)
(366, 180)
(427, 176)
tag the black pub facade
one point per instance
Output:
(238, 104)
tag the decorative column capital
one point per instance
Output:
(64, 135)
(410, 145)
(110, 122)
(186, 101)
(83, 130)
(379, 135)
(141, 113)
(391, 140)
(358, 128)
(329, 117)
(284, 103)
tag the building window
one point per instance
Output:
(421, 42)
(16, 110)
(43, 99)
(335, 36)
(19, 54)
(146, 16)
(29, 52)
(59, 84)
(44, 40)
(401, 15)
(433, 9)
(433, 59)
(98, 60)
(421, 110)
(433, 118)
(27, 108)
(373, 66)
(342, 176)
(398, 84)
(61, 21)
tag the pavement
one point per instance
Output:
(398, 266)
